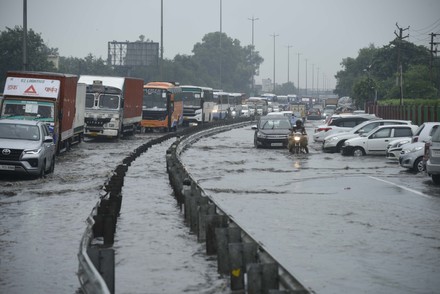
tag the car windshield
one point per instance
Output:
(274, 123)
(17, 131)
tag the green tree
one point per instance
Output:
(229, 65)
(11, 52)
(364, 91)
(285, 89)
(90, 65)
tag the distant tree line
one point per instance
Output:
(371, 75)
(375, 75)
(229, 67)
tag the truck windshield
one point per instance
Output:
(25, 109)
(109, 101)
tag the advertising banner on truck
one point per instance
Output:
(31, 87)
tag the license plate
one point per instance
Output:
(276, 144)
(7, 167)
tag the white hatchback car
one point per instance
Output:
(376, 141)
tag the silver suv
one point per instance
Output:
(433, 153)
(26, 147)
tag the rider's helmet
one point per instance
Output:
(298, 123)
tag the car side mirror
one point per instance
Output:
(254, 127)
(48, 139)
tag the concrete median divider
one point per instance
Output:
(250, 267)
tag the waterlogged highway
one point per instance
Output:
(360, 225)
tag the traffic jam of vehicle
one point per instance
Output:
(72, 108)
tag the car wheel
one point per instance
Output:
(42, 170)
(52, 166)
(358, 151)
(339, 146)
(436, 179)
(419, 166)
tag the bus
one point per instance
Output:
(221, 107)
(198, 104)
(162, 106)
(261, 104)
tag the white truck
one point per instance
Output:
(113, 105)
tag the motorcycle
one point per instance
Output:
(295, 145)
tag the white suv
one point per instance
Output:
(26, 147)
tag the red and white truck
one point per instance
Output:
(54, 98)
(113, 105)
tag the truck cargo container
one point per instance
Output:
(48, 97)
(113, 106)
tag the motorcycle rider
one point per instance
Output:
(299, 127)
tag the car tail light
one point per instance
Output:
(323, 129)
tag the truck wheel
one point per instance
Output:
(52, 166)
(436, 179)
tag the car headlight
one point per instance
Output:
(261, 135)
(32, 151)
(413, 149)
(333, 139)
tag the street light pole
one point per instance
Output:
(274, 36)
(24, 34)
(161, 40)
(288, 63)
(220, 44)
(298, 74)
(252, 52)
(306, 76)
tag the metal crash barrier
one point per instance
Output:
(238, 254)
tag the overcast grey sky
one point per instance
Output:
(322, 31)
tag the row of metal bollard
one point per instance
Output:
(96, 257)
(250, 268)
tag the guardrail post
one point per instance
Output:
(213, 222)
(104, 261)
(237, 268)
(204, 210)
(225, 236)
(262, 277)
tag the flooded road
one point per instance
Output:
(42, 220)
(362, 225)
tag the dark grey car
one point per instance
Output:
(26, 147)
(272, 131)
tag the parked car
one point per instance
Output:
(313, 114)
(376, 141)
(272, 131)
(433, 154)
(423, 134)
(411, 156)
(333, 143)
(26, 148)
(340, 123)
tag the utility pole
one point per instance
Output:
(253, 19)
(274, 36)
(317, 82)
(432, 51)
(313, 77)
(400, 37)
(298, 74)
(220, 57)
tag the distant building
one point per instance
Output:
(267, 85)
